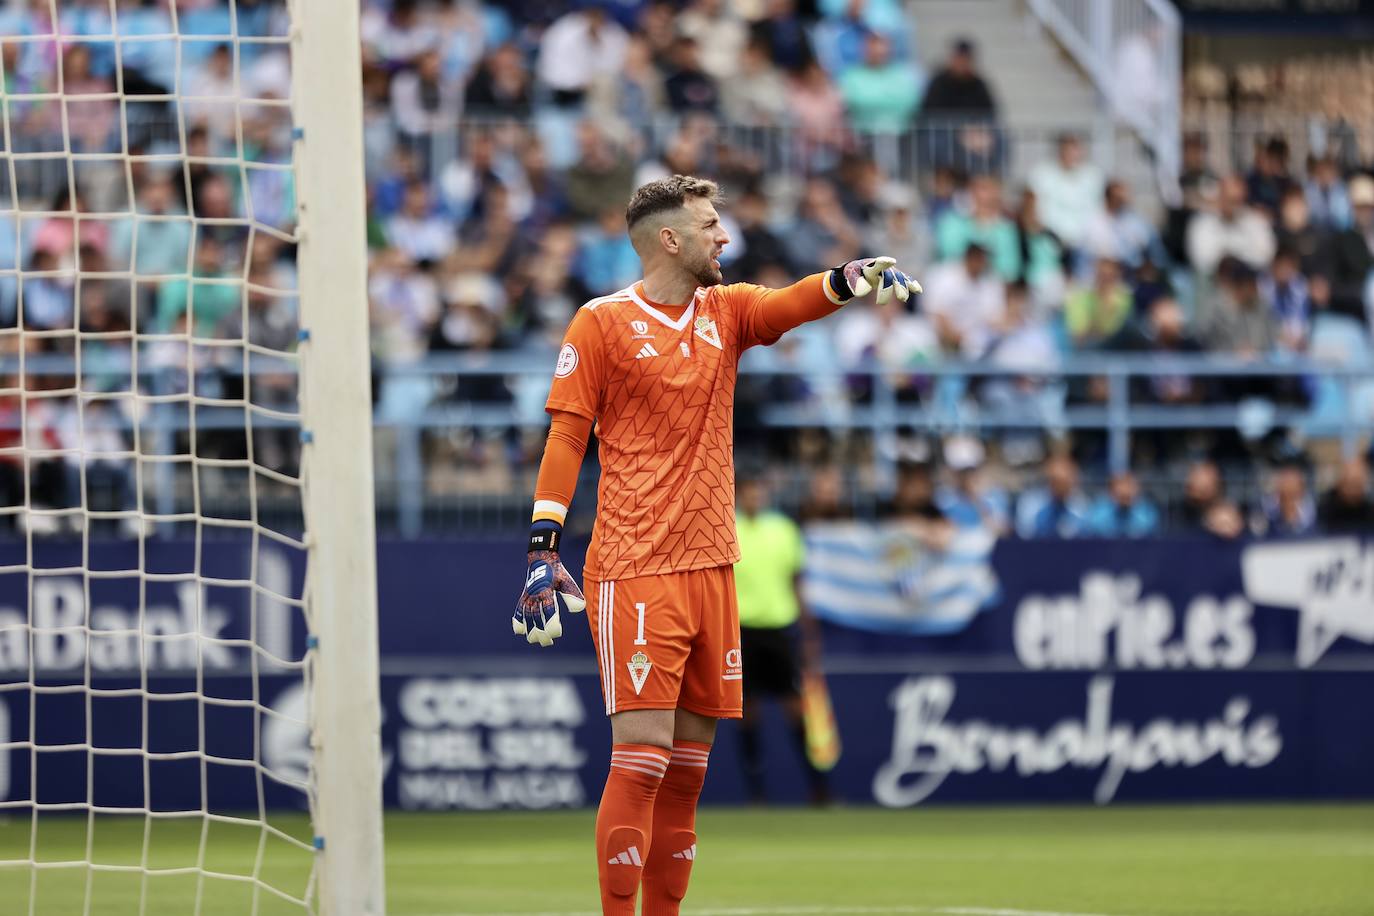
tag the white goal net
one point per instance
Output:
(160, 616)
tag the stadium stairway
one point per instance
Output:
(1039, 91)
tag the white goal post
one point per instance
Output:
(337, 405)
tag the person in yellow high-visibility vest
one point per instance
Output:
(778, 638)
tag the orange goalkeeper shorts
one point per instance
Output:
(669, 642)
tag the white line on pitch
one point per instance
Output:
(823, 911)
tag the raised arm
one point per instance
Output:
(774, 312)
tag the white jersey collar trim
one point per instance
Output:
(682, 320)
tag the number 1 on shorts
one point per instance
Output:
(639, 632)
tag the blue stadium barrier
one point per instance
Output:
(1099, 671)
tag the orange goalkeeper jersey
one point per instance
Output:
(662, 393)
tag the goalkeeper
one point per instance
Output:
(653, 366)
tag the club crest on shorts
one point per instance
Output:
(705, 328)
(639, 666)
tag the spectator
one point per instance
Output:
(759, 244)
(889, 338)
(690, 88)
(633, 94)
(1094, 313)
(500, 87)
(422, 101)
(1022, 344)
(880, 94)
(983, 223)
(1229, 227)
(958, 116)
(213, 80)
(1196, 180)
(1268, 179)
(489, 244)
(163, 244)
(1042, 257)
(969, 502)
(1067, 191)
(1347, 507)
(404, 303)
(719, 32)
(1350, 257)
(1285, 290)
(817, 112)
(47, 293)
(966, 301)
(758, 94)
(913, 504)
(822, 232)
(1163, 332)
(602, 173)
(90, 122)
(1287, 510)
(781, 31)
(825, 497)
(1123, 512)
(395, 35)
(1206, 510)
(207, 298)
(606, 260)
(577, 48)
(1294, 230)
(1327, 197)
(1239, 322)
(1119, 231)
(893, 229)
(418, 231)
(1057, 509)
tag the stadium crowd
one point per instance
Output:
(502, 141)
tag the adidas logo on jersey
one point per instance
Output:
(689, 853)
(646, 351)
(628, 857)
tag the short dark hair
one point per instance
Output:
(668, 194)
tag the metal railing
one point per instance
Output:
(949, 401)
(1131, 50)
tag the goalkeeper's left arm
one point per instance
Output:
(536, 615)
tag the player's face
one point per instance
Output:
(704, 238)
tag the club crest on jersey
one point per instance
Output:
(705, 328)
(639, 666)
(641, 329)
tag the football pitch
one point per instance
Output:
(1285, 860)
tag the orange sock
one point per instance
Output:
(624, 823)
(675, 820)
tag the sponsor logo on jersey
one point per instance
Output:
(705, 328)
(639, 666)
(734, 665)
(567, 361)
(646, 351)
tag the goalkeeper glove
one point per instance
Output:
(536, 613)
(859, 278)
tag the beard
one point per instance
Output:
(706, 274)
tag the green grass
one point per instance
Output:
(1285, 860)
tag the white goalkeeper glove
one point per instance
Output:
(859, 278)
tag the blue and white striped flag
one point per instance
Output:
(883, 578)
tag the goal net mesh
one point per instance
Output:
(155, 619)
